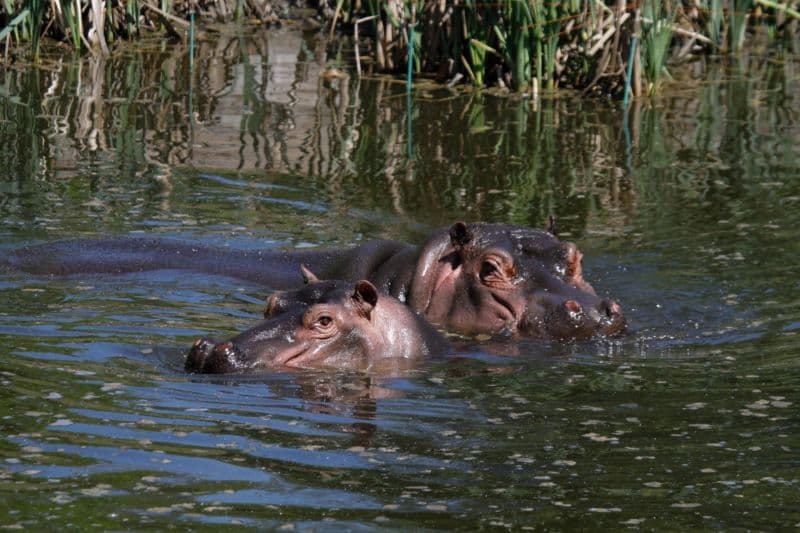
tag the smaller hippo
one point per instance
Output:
(324, 324)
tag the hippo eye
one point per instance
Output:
(320, 323)
(487, 269)
(325, 326)
(497, 270)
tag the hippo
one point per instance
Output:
(334, 323)
(470, 278)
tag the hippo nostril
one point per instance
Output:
(196, 358)
(611, 309)
(229, 354)
(202, 344)
(226, 349)
(573, 308)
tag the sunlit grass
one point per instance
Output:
(525, 45)
(541, 45)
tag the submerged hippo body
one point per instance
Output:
(473, 278)
(334, 324)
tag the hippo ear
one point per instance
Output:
(365, 297)
(308, 276)
(460, 234)
(551, 226)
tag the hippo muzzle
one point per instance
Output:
(209, 357)
(571, 319)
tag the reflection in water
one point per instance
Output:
(261, 104)
(689, 217)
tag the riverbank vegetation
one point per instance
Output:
(605, 46)
(583, 44)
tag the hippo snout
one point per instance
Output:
(208, 357)
(575, 320)
(612, 321)
(611, 310)
(197, 355)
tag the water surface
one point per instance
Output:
(685, 209)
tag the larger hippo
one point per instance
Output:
(336, 324)
(476, 278)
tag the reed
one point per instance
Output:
(738, 22)
(542, 45)
(655, 42)
(537, 45)
(92, 24)
(16, 22)
(71, 16)
(714, 24)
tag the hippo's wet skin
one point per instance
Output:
(472, 278)
(335, 324)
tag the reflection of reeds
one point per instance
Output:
(488, 158)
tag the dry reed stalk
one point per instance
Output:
(179, 21)
(335, 18)
(682, 31)
(98, 11)
(355, 36)
(380, 56)
(607, 35)
(79, 17)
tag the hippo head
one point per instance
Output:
(492, 278)
(324, 324)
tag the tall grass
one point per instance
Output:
(536, 45)
(16, 25)
(92, 24)
(715, 17)
(739, 10)
(655, 41)
(545, 44)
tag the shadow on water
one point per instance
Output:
(688, 218)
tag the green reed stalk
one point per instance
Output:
(109, 21)
(772, 10)
(35, 25)
(73, 29)
(413, 11)
(520, 35)
(550, 45)
(132, 11)
(539, 20)
(474, 40)
(738, 22)
(19, 20)
(655, 42)
(478, 52)
(714, 24)
(780, 7)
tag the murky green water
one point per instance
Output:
(689, 217)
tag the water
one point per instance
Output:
(688, 217)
